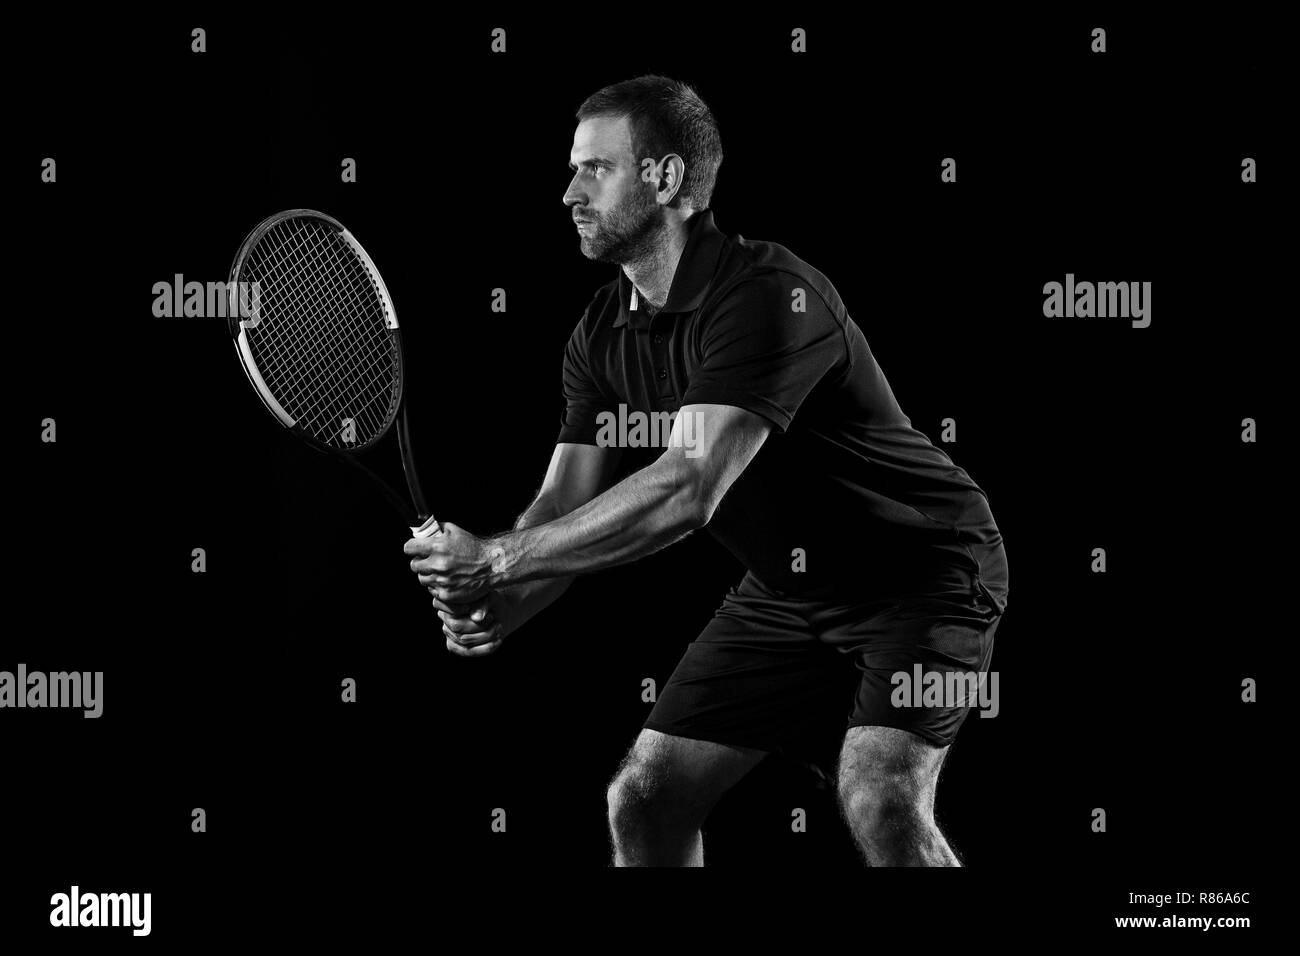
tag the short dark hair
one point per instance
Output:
(666, 116)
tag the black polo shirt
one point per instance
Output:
(843, 482)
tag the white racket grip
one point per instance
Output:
(428, 529)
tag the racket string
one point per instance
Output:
(374, 355)
(314, 298)
(322, 343)
(355, 362)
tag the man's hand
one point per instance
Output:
(455, 566)
(478, 628)
(577, 473)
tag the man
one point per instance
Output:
(868, 551)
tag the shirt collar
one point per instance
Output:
(695, 269)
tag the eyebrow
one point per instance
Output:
(594, 161)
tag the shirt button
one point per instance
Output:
(658, 339)
(663, 374)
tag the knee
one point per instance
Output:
(632, 800)
(882, 807)
(639, 802)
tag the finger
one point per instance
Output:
(423, 549)
(462, 609)
(435, 577)
(461, 626)
(471, 638)
(456, 610)
(430, 564)
(453, 595)
(469, 610)
(458, 650)
(418, 546)
(437, 581)
(423, 566)
(480, 651)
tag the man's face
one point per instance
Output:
(615, 212)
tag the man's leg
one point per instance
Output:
(887, 780)
(662, 793)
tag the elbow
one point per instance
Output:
(693, 504)
(691, 495)
(696, 514)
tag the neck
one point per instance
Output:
(652, 274)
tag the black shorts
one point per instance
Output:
(789, 675)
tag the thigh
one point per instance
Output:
(756, 678)
(691, 775)
(875, 756)
(923, 664)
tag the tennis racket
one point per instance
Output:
(317, 335)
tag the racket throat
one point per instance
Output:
(412, 476)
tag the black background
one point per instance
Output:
(222, 690)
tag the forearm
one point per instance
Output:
(532, 597)
(645, 512)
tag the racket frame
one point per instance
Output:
(417, 518)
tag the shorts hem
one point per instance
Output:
(713, 737)
(937, 739)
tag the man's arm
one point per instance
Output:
(576, 475)
(711, 445)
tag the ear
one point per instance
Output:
(672, 170)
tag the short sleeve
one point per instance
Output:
(759, 354)
(583, 400)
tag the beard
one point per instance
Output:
(628, 232)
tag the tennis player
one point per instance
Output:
(869, 554)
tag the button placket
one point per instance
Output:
(660, 355)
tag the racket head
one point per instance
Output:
(316, 331)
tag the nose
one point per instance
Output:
(574, 196)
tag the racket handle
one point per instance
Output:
(428, 529)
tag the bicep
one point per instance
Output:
(578, 473)
(712, 444)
